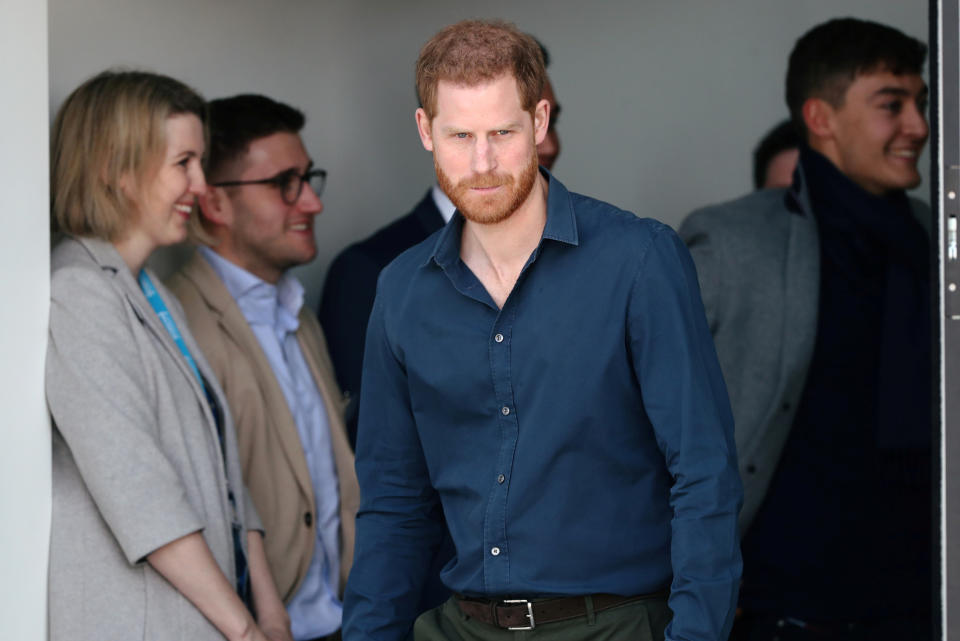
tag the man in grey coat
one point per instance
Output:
(818, 299)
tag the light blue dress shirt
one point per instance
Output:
(272, 312)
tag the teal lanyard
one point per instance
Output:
(161, 308)
(240, 559)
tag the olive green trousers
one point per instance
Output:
(643, 620)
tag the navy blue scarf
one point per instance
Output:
(881, 232)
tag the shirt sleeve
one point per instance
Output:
(686, 401)
(399, 525)
(97, 392)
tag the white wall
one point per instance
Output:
(25, 294)
(662, 100)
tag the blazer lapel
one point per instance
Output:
(322, 370)
(107, 257)
(316, 355)
(802, 291)
(235, 325)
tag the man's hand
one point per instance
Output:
(272, 617)
(254, 633)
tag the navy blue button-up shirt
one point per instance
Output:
(579, 440)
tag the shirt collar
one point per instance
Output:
(277, 306)
(561, 225)
(444, 205)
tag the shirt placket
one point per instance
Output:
(496, 562)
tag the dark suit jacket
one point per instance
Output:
(351, 286)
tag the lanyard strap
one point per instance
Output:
(153, 297)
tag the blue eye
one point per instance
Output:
(461, 135)
(503, 132)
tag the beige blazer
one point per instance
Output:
(137, 461)
(271, 455)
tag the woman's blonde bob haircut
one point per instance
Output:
(108, 139)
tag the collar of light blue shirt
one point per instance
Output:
(263, 303)
(443, 203)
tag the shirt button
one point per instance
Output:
(307, 519)
(498, 338)
(501, 478)
(495, 551)
(505, 410)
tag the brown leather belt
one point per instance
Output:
(524, 614)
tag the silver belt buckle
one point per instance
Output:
(533, 623)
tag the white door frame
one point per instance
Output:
(24, 302)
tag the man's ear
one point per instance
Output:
(818, 117)
(215, 206)
(423, 128)
(541, 120)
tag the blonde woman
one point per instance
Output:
(153, 534)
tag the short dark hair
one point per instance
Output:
(783, 137)
(826, 59)
(237, 121)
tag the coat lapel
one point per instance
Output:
(107, 258)
(802, 291)
(315, 353)
(235, 325)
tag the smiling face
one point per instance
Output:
(484, 146)
(262, 233)
(876, 135)
(166, 197)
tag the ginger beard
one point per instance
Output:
(493, 208)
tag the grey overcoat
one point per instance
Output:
(137, 459)
(758, 262)
(759, 265)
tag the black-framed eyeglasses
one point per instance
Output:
(289, 182)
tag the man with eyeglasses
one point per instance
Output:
(246, 311)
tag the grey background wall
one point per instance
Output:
(662, 100)
(25, 291)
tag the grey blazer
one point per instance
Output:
(137, 460)
(758, 262)
(759, 267)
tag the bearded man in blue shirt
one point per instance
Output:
(541, 371)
